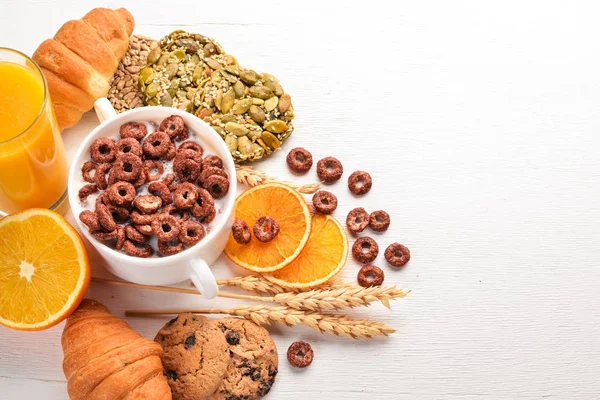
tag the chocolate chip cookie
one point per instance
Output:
(254, 362)
(195, 358)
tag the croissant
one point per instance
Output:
(81, 59)
(105, 359)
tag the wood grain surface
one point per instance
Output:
(479, 122)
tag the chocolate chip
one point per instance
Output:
(171, 322)
(172, 375)
(190, 341)
(232, 337)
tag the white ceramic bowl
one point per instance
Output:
(192, 263)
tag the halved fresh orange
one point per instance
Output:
(289, 209)
(44, 269)
(321, 259)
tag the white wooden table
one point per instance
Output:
(479, 122)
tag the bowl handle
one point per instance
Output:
(104, 110)
(203, 278)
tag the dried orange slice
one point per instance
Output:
(44, 269)
(289, 209)
(323, 256)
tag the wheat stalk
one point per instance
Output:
(251, 177)
(253, 283)
(339, 325)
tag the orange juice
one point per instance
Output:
(33, 162)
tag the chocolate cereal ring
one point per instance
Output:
(119, 214)
(147, 204)
(134, 235)
(212, 161)
(300, 354)
(185, 195)
(120, 238)
(168, 179)
(103, 235)
(121, 194)
(165, 227)
(186, 170)
(161, 190)
(360, 182)
(210, 217)
(102, 150)
(191, 145)
(191, 232)
(144, 229)
(379, 221)
(90, 220)
(241, 232)
(128, 168)
(217, 186)
(266, 229)
(190, 153)
(299, 160)
(86, 168)
(210, 171)
(397, 254)
(171, 247)
(105, 218)
(100, 175)
(102, 199)
(329, 169)
(138, 249)
(153, 170)
(139, 181)
(142, 219)
(325, 202)
(370, 275)
(181, 215)
(204, 204)
(156, 144)
(134, 130)
(357, 220)
(174, 126)
(365, 250)
(171, 152)
(85, 191)
(128, 146)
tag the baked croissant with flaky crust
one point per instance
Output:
(81, 59)
(105, 359)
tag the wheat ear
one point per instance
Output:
(250, 176)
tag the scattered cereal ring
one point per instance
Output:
(90, 220)
(191, 232)
(103, 235)
(266, 229)
(217, 186)
(147, 204)
(204, 204)
(325, 202)
(88, 167)
(166, 227)
(212, 161)
(357, 220)
(144, 229)
(329, 169)
(186, 170)
(210, 171)
(102, 150)
(138, 250)
(119, 214)
(141, 219)
(153, 169)
(300, 354)
(169, 248)
(191, 154)
(156, 144)
(134, 130)
(121, 194)
(365, 250)
(360, 182)
(85, 191)
(161, 190)
(185, 195)
(135, 235)
(128, 168)
(241, 232)
(370, 275)
(397, 254)
(379, 221)
(100, 175)
(299, 160)
(128, 146)
(191, 145)
(174, 126)
(120, 238)
(105, 218)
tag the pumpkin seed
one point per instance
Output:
(209, 49)
(257, 114)
(228, 118)
(233, 69)
(231, 142)
(146, 74)
(154, 55)
(211, 62)
(276, 126)
(270, 140)
(236, 129)
(271, 103)
(227, 102)
(152, 90)
(242, 106)
(257, 102)
(285, 101)
(262, 92)
(244, 146)
(219, 99)
(238, 89)
(249, 77)
(179, 54)
(171, 70)
(166, 100)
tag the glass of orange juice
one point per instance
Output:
(33, 161)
